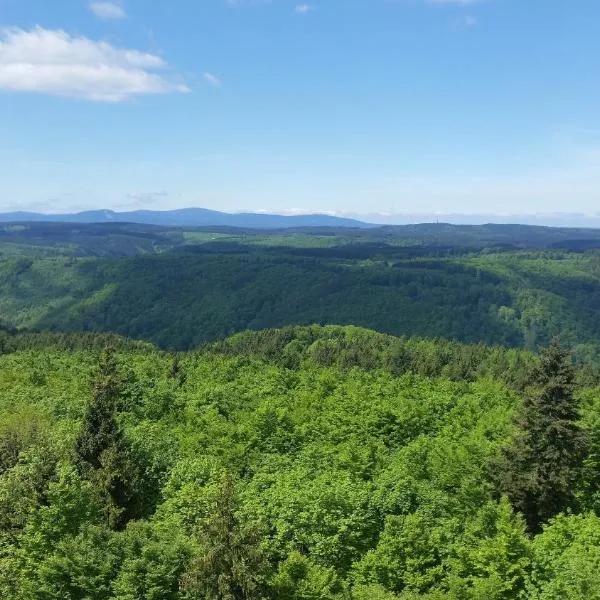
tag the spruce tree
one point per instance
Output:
(176, 371)
(231, 564)
(102, 454)
(538, 472)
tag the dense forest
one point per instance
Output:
(51, 239)
(182, 298)
(303, 463)
(299, 414)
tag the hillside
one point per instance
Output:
(114, 239)
(185, 298)
(327, 463)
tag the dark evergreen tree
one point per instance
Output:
(100, 429)
(231, 564)
(176, 371)
(102, 454)
(538, 472)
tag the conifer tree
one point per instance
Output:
(538, 472)
(176, 371)
(231, 564)
(101, 452)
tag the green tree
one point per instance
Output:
(298, 578)
(492, 556)
(102, 454)
(539, 471)
(566, 560)
(156, 555)
(18, 432)
(80, 567)
(231, 564)
(176, 370)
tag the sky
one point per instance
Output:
(361, 107)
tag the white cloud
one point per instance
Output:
(467, 21)
(212, 79)
(107, 10)
(303, 9)
(54, 62)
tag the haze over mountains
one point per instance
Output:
(203, 217)
(189, 217)
(551, 219)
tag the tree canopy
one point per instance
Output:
(307, 463)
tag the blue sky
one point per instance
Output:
(348, 106)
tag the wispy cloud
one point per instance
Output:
(107, 10)
(212, 80)
(54, 62)
(455, 2)
(147, 198)
(467, 21)
(303, 9)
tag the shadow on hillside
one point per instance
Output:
(179, 300)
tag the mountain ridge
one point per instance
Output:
(189, 217)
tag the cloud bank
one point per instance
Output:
(54, 62)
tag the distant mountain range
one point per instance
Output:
(203, 217)
(189, 217)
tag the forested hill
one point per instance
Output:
(113, 239)
(330, 463)
(183, 299)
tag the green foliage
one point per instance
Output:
(566, 560)
(155, 559)
(299, 578)
(491, 559)
(349, 347)
(101, 452)
(79, 567)
(182, 299)
(318, 463)
(100, 430)
(18, 432)
(541, 470)
(376, 592)
(230, 563)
